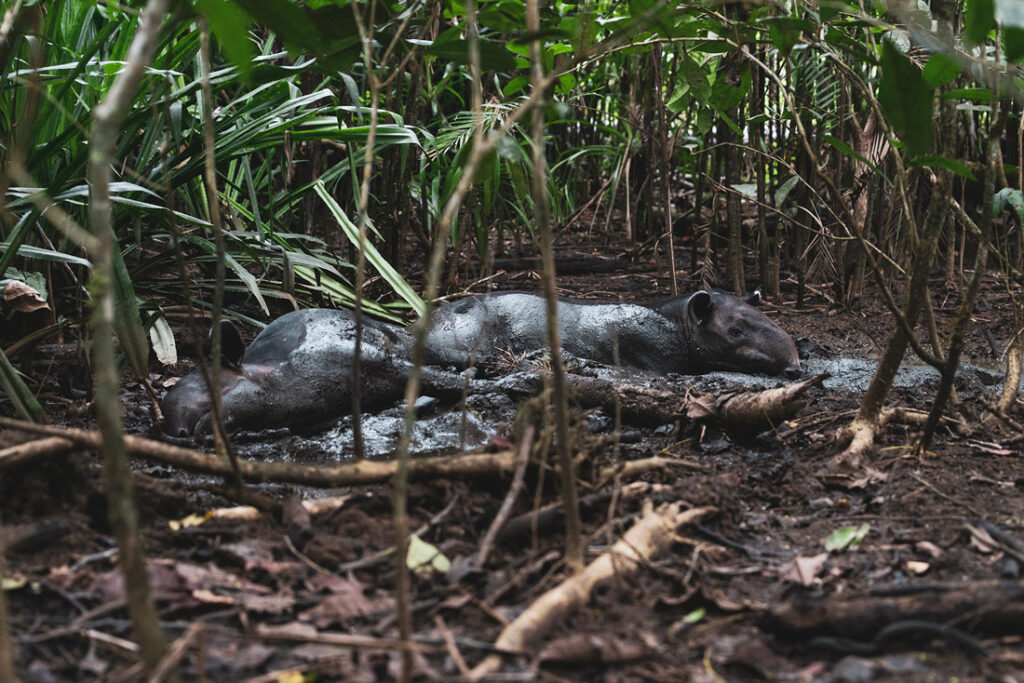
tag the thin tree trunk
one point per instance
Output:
(866, 422)
(573, 546)
(358, 447)
(963, 318)
(1011, 384)
(221, 438)
(666, 155)
(107, 118)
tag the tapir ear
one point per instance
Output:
(755, 298)
(231, 345)
(699, 307)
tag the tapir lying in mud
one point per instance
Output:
(298, 370)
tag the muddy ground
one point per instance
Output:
(931, 591)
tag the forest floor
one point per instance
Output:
(928, 586)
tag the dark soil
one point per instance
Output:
(752, 593)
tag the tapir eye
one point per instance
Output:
(735, 331)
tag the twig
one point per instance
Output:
(382, 555)
(343, 639)
(522, 459)
(453, 649)
(634, 468)
(176, 651)
(946, 496)
(106, 638)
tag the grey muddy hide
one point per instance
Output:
(690, 334)
(298, 372)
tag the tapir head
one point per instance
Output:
(186, 407)
(728, 333)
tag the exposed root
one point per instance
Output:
(847, 469)
(649, 538)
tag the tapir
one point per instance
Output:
(691, 334)
(298, 371)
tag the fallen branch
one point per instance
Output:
(989, 608)
(500, 464)
(650, 537)
(547, 516)
(631, 469)
(859, 437)
(22, 453)
(638, 403)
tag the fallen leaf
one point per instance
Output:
(294, 515)
(804, 570)
(701, 406)
(916, 567)
(22, 297)
(208, 597)
(211, 576)
(695, 616)
(291, 631)
(846, 537)
(163, 579)
(981, 540)
(927, 547)
(347, 601)
(12, 583)
(267, 604)
(190, 521)
(243, 513)
(422, 555)
(322, 505)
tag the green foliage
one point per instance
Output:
(24, 401)
(847, 537)
(979, 19)
(940, 70)
(906, 99)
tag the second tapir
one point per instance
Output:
(688, 335)
(299, 369)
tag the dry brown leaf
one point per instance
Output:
(804, 570)
(348, 600)
(267, 604)
(23, 298)
(981, 540)
(208, 597)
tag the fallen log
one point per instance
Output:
(652, 536)
(988, 608)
